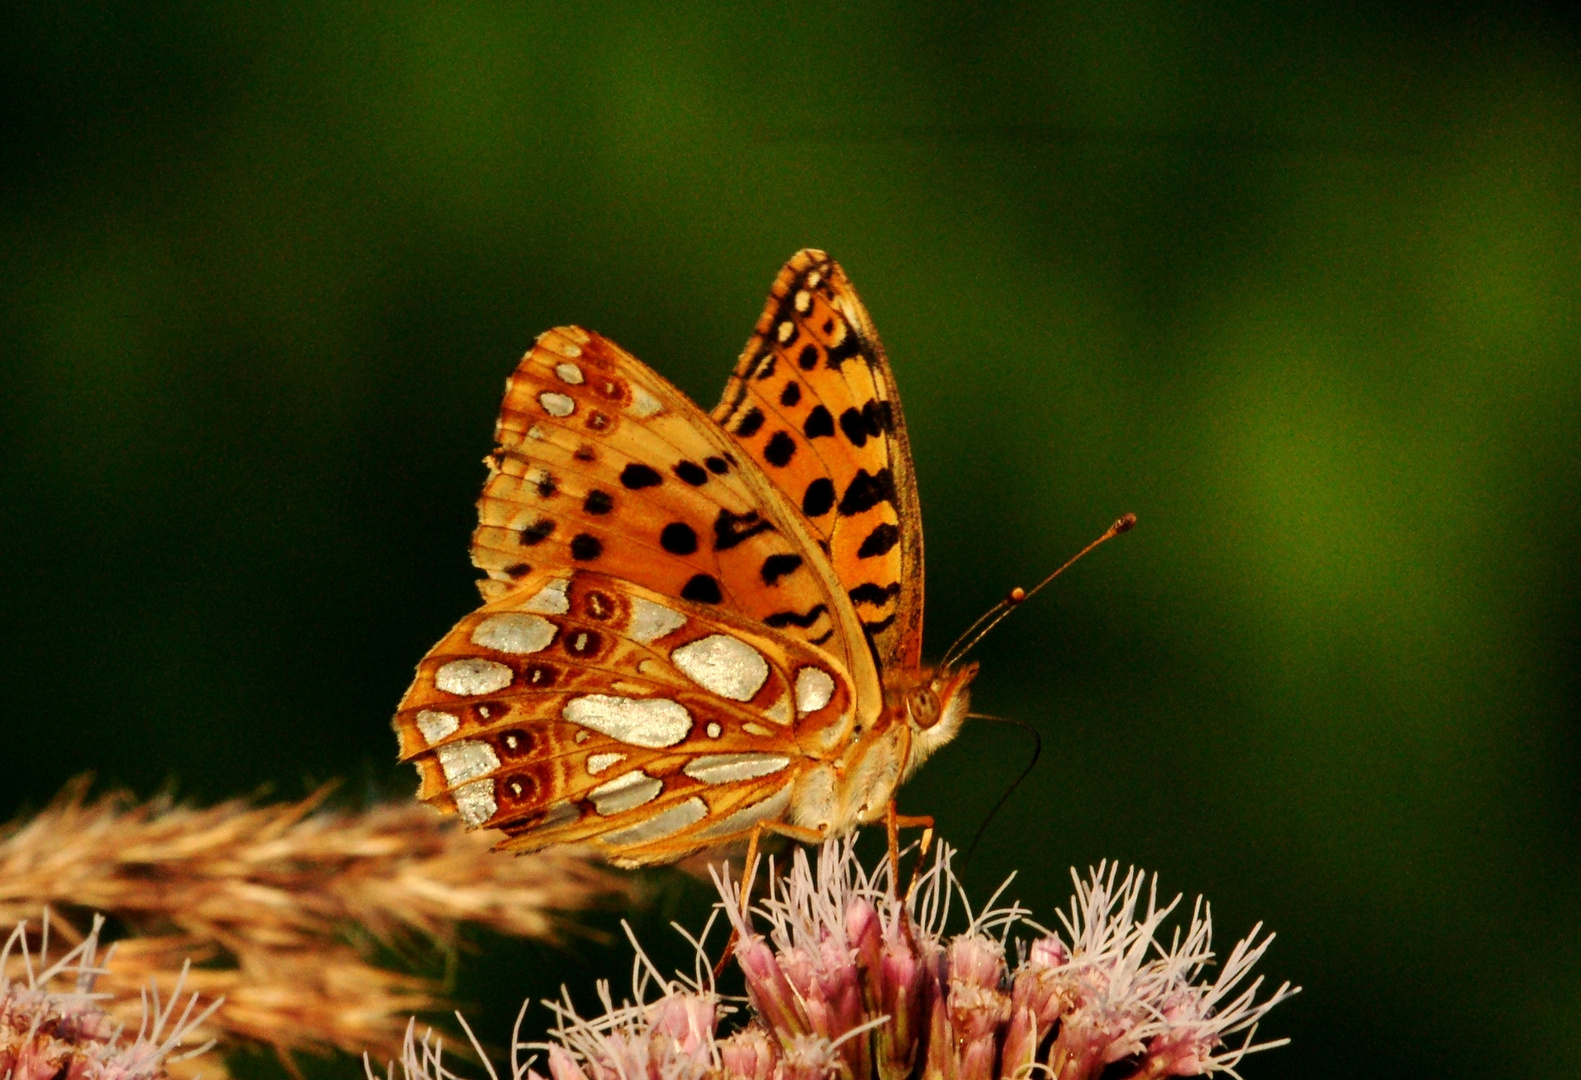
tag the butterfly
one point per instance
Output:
(696, 628)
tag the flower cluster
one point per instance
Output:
(848, 980)
(53, 1025)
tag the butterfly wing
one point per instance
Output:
(603, 464)
(611, 500)
(813, 401)
(580, 708)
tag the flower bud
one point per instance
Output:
(749, 1054)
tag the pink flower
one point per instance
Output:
(51, 1030)
(847, 981)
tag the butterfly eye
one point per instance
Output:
(923, 705)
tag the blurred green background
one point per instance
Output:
(1296, 284)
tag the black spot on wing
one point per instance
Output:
(847, 348)
(537, 532)
(879, 417)
(877, 595)
(819, 498)
(598, 502)
(777, 566)
(821, 638)
(818, 424)
(867, 491)
(781, 619)
(781, 447)
(691, 472)
(731, 529)
(880, 625)
(518, 570)
(585, 547)
(636, 475)
(791, 394)
(750, 423)
(703, 588)
(786, 315)
(716, 465)
(853, 427)
(808, 358)
(678, 538)
(879, 541)
(766, 370)
(546, 486)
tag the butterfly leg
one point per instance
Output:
(749, 874)
(894, 822)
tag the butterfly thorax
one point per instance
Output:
(923, 709)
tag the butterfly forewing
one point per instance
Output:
(603, 464)
(582, 708)
(813, 401)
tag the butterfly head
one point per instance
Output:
(936, 706)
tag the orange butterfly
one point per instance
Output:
(695, 630)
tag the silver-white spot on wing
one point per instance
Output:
(714, 730)
(436, 725)
(728, 768)
(551, 340)
(551, 599)
(650, 621)
(723, 664)
(535, 432)
(466, 760)
(755, 729)
(814, 688)
(475, 801)
(472, 676)
(643, 404)
(803, 301)
(512, 633)
(650, 722)
(624, 792)
(780, 711)
(556, 404)
(569, 373)
(771, 808)
(662, 824)
(597, 763)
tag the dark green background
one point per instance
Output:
(1295, 284)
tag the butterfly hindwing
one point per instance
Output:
(583, 708)
(813, 401)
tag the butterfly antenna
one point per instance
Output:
(1037, 752)
(1019, 596)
